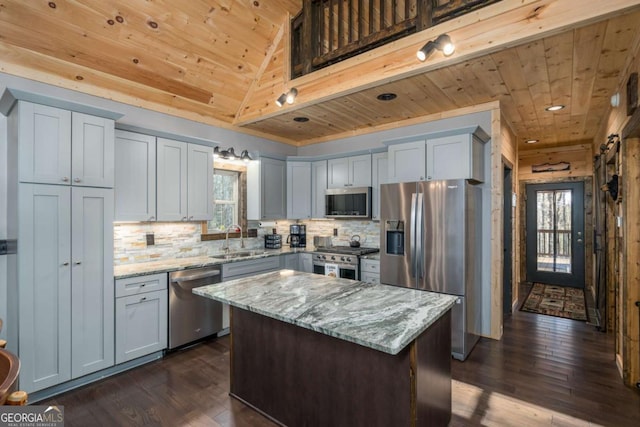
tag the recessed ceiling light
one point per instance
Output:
(387, 96)
(555, 108)
(531, 141)
(301, 119)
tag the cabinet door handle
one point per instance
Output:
(78, 262)
(184, 218)
(65, 263)
(151, 218)
(143, 285)
(143, 299)
(191, 218)
(428, 177)
(65, 179)
(76, 179)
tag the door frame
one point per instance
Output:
(588, 224)
(508, 290)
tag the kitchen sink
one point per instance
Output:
(232, 255)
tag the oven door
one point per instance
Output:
(345, 271)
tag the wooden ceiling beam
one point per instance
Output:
(505, 24)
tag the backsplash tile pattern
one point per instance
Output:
(182, 239)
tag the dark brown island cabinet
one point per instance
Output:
(311, 350)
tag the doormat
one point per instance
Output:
(559, 301)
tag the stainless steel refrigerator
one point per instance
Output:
(430, 240)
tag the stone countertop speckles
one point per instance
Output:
(382, 317)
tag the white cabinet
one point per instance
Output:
(44, 286)
(65, 276)
(354, 171)
(378, 176)
(184, 181)
(305, 262)
(91, 280)
(298, 190)
(266, 189)
(318, 187)
(370, 271)
(199, 183)
(407, 162)
(290, 261)
(141, 316)
(60, 147)
(135, 177)
(455, 157)
(92, 152)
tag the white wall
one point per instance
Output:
(142, 118)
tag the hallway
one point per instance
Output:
(545, 371)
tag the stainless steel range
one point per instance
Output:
(341, 261)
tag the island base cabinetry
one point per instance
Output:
(296, 376)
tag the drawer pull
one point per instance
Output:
(65, 179)
(143, 299)
(143, 285)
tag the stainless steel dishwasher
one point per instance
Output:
(192, 317)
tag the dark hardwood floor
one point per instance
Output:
(546, 371)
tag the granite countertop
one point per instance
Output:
(382, 317)
(167, 265)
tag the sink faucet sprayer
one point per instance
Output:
(234, 227)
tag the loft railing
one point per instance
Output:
(329, 31)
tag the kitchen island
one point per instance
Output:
(308, 349)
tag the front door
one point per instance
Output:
(555, 233)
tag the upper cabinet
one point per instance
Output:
(354, 171)
(185, 181)
(266, 189)
(298, 190)
(406, 162)
(454, 156)
(57, 146)
(318, 187)
(378, 176)
(135, 177)
(92, 140)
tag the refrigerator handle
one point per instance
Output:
(420, 236)
(412, 242)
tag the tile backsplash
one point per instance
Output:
(182, 240)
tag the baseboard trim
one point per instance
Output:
(37, 396)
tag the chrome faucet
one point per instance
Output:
(226, 239)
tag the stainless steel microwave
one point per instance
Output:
(353, 202)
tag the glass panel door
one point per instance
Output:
(555, 233)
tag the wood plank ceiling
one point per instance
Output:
(204, 60)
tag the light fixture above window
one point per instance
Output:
(230, 154)
(288, 97)
(443, 43)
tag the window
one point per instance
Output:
(225, 199)
(230, 201)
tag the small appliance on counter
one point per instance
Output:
(322, 241)
(273, 241)
(297, 236)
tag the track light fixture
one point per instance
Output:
(288, 97)
(443, 43)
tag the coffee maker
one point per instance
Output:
(297, 236)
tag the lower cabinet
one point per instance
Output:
(141, 316)
(370, 271)
(289, 261)
(305, 263)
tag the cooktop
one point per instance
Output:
(348, 250)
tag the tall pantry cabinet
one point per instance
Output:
(60, 188)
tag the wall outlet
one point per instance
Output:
(335, 231)
(151, 239)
